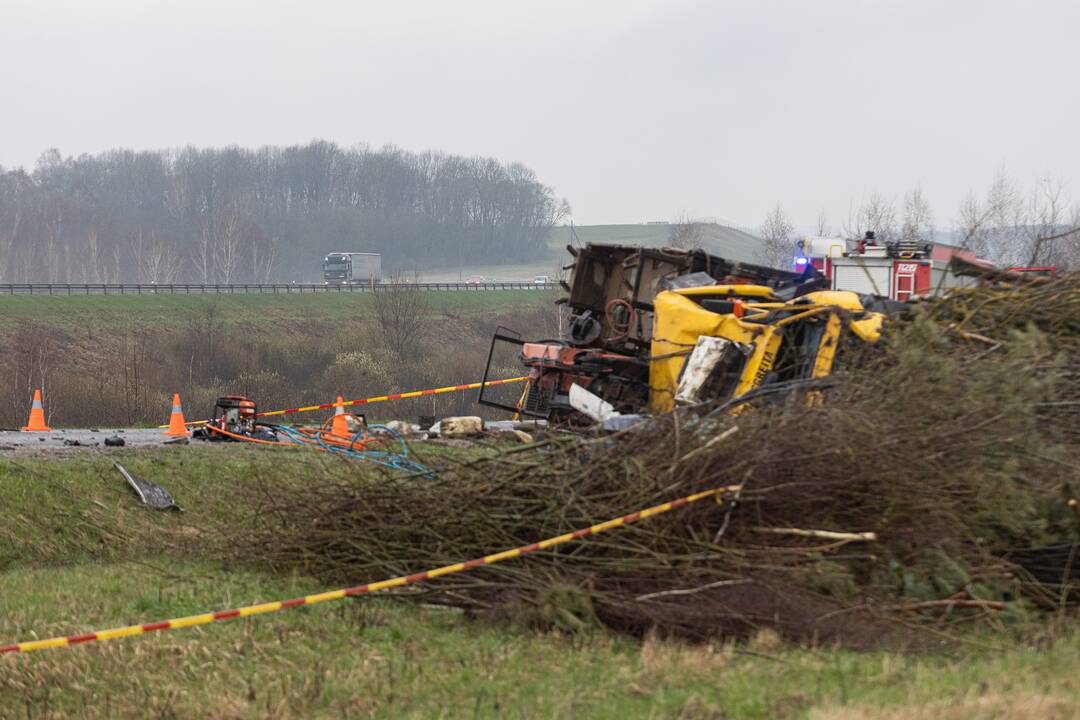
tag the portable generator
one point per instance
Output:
(234, 414)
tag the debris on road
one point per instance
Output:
(464, 426)
(150, 494)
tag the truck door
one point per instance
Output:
(904, 280)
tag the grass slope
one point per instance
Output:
(78, 554)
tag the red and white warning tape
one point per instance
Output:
(400, 581)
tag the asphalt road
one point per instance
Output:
(13, 440)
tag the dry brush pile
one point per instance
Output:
(953, 441)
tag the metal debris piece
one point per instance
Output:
(115, 441)
(401, 427)
(150, 494)
(618, 422)
(590, 404)
(699, 372)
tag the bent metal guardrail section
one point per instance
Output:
(273, 288)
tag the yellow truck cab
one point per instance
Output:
(744, 335)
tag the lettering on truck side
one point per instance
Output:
(763, 369)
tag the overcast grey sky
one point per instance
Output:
(631, 109)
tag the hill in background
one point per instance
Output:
(727, 242)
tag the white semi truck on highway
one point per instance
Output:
(352, 268)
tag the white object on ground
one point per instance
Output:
(461, 426)
(590, 404)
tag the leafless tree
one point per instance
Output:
(402, 312)
(778, 239)
(51, 247)
(1008, 229)
(156, 260)
(139, 254)
(822, 229)
(113, 273)
(971, 224)
(7, 249)
(686, 232)
(876, 214)
(9, 232)
(30, 369)
(1049, 227)
(1007, 235)
(1071, 242)
(264, 258)
(229, 242)
(202, 254)
(984, 225)
(918, 224)
(94, 269)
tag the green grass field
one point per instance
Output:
(166, 310)
(77, 554)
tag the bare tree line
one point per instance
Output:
(1014, 227)
(241, 215)
(1006, 224)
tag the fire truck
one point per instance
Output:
(897, 270)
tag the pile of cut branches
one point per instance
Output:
(952, 441)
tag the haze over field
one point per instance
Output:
(632, 110)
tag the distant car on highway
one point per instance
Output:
(542, 280)
(474, 280)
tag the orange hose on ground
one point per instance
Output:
(328, 437)
(311, 441)
(245, 438)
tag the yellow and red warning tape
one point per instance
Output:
(400, 581)
(379, 398)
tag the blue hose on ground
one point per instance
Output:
(393, 460)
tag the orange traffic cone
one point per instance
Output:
(176, 419)
(339, 426)
(37, 416)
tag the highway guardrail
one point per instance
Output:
(241, 288)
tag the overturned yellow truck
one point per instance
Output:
(649, 329)
(741, 337)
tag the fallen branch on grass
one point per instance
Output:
(950, 604)
(820, 534)
(690, 591)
